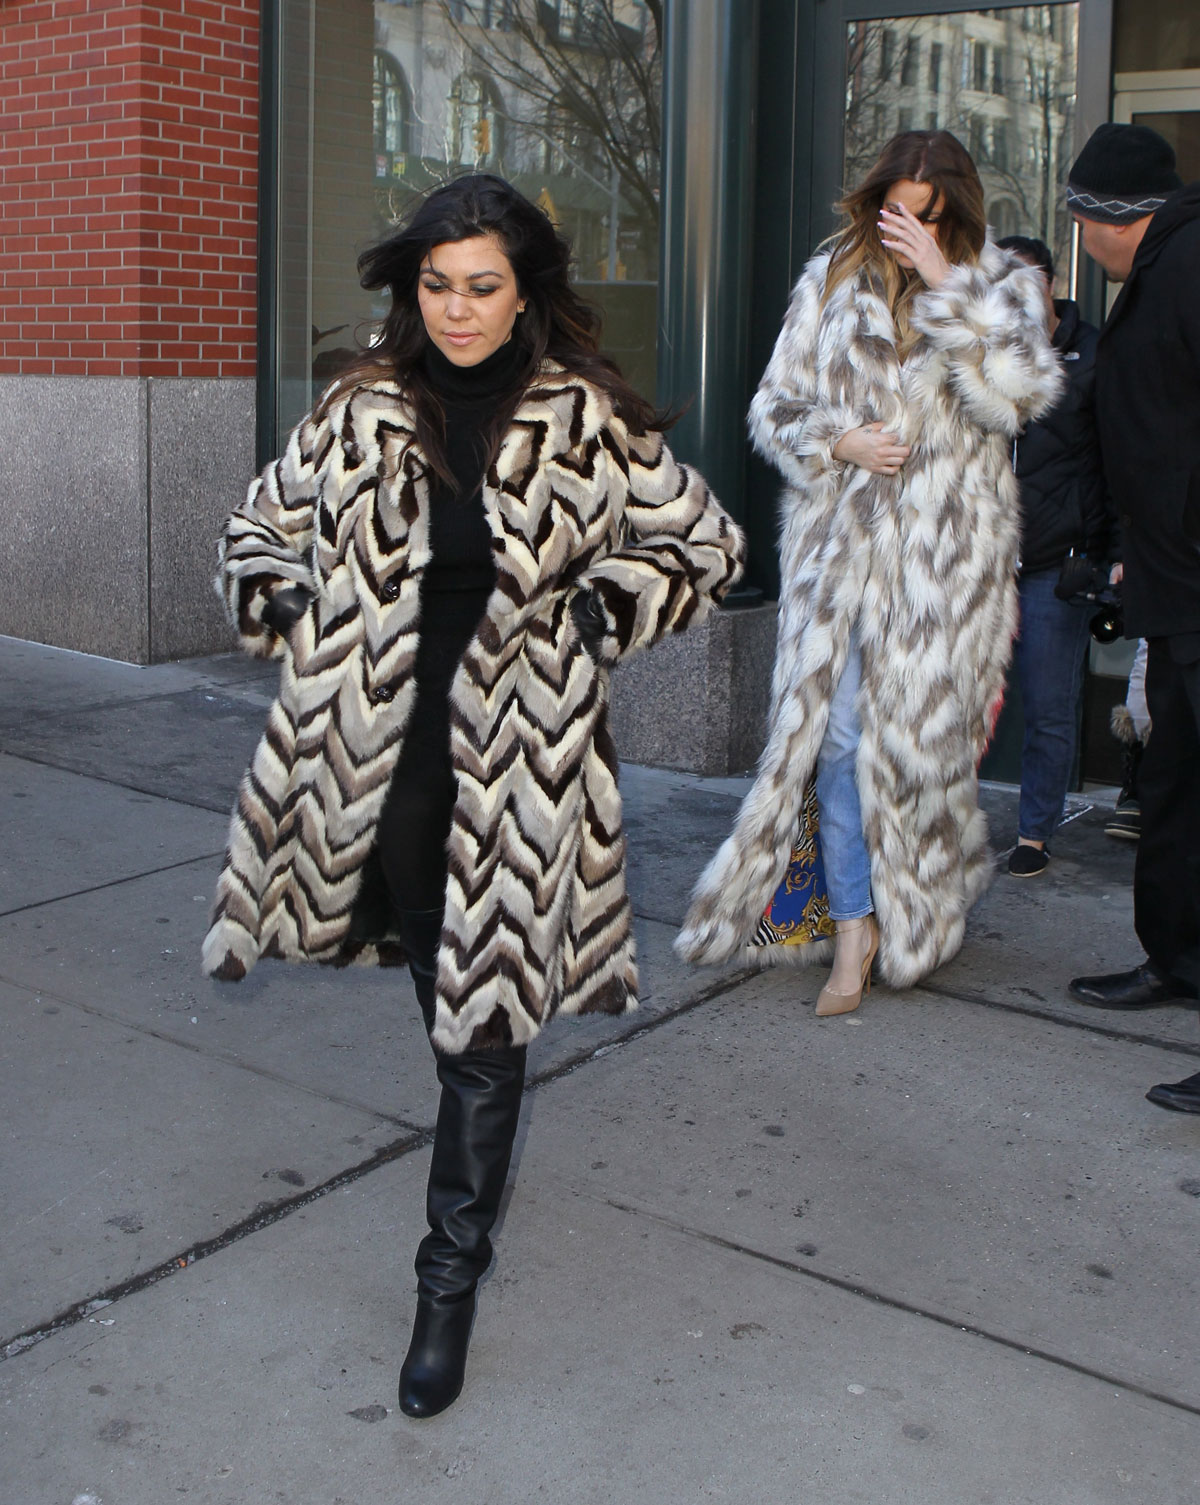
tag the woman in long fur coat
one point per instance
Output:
(912, 354)
(476, 522)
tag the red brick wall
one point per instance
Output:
(128, 187)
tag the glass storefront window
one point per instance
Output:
(380, 102)
(1003, 81)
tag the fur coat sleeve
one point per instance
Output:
(680, 552)
(989, 322)
(796, 417)
(267, 543)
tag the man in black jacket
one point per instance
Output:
(1063, 511)
(1143, 227)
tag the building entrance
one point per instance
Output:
(1022, 86)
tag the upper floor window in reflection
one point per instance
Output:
(392, 102)
(601, 25)
(476, 120)
(492, 15)
(887, 53)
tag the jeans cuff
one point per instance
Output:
(859, 914)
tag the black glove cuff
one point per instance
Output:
(590, 622)
(285, 608)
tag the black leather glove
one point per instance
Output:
(285, 608)
(588, 616)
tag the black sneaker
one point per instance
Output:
(1028, 862)
(1125, 823)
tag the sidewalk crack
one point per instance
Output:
(263, 1217)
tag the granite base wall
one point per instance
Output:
(200, 464)
(698, 702)
(115, 490)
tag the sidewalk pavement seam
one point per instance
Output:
(212, 1053)
(99, 888)
(1087, 1026)
(98, 778)
(899, 1304)
(255, 1222)
(126, 702)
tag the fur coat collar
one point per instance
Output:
(922, 564)
(537, 917)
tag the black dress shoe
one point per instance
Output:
(1183, 1096)
(1027, 861)
(1143, 988)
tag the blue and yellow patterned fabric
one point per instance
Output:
(799, 912)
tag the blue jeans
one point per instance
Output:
(1049, 659)
(843, 849)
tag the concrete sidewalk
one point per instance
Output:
(940, 1250)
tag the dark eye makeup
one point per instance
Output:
(474, 292)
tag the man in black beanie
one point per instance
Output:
(1142, 226)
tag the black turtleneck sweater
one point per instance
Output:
(415, 822)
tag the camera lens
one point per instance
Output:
(1106, 626)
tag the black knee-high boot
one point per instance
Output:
(472, 1148)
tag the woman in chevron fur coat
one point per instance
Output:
(474, 525)
(912, 354)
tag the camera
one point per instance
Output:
(1081, 580)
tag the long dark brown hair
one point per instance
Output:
(556, 324)
(933, 157)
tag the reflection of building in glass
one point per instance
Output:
(1002, 81)
(562, 98)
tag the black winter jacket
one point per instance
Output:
(1148, 414)
(1064, 502)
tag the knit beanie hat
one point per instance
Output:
(1124, 173)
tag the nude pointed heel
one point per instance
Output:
(830, 1002)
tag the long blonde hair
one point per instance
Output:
(933, 157)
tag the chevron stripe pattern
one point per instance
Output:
(537, 919)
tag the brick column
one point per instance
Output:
(129, 194)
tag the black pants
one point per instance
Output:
(1166, 882)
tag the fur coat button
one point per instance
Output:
(381, 693)
(390, 590)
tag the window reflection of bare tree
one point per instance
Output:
(1003, 82)
(563, 98)
(586, 80)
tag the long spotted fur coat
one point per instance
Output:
(924, 562)
(536, 918)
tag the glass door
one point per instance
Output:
(1003, 80)
(1169, 102)
(374, 104)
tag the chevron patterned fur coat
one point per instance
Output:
(923, 562)
(537, 917)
